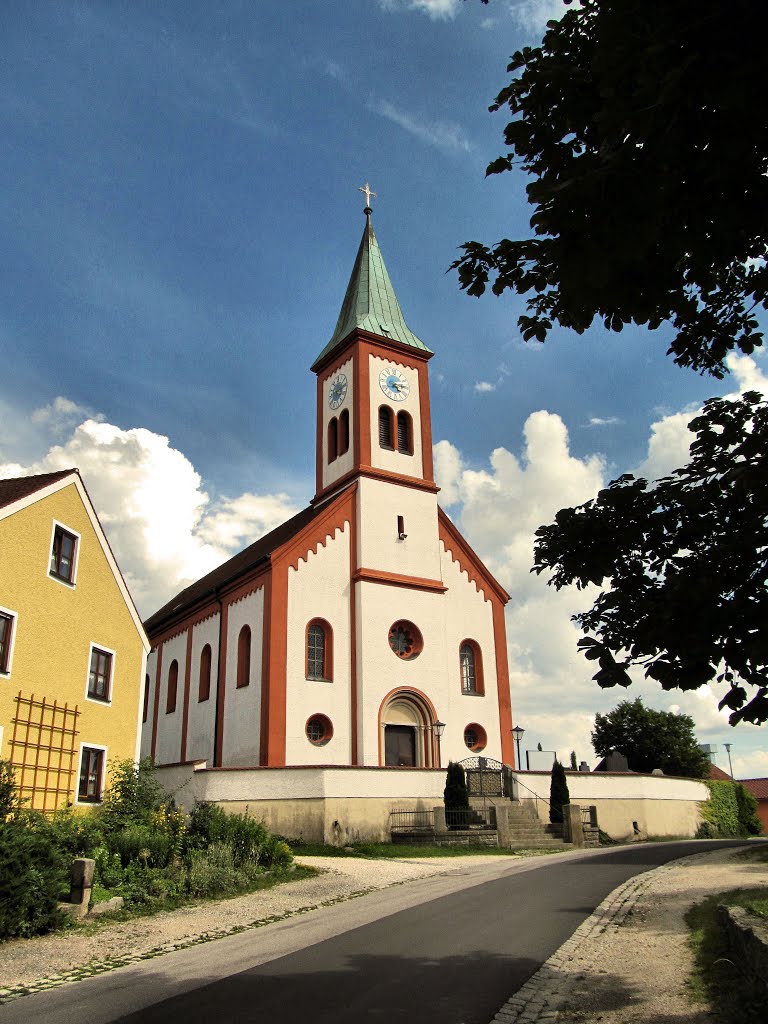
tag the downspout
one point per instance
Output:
(216, 751)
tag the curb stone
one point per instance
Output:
(541, 998)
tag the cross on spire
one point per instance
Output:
(368, 196)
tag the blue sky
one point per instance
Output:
(179, 209)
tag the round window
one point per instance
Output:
(319, 730)
(405, 640)
(475, 737)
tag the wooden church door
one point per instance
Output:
(400, 746)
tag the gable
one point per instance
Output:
(468, 560)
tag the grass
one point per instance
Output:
(735, 997)
(381, 851)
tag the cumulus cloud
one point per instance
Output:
(484, 386)
(444, 135)
(438, 10)
(603, 421)
(533, 15)
(162, 525)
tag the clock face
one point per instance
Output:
(393, 384)
(338, 391)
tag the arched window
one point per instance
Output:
(244, 657)
(204, 686)
(386, 427)
(471, 666)
(173, 685)
(145, 713)
(333, 439)
(404, 433)
(319, 650)
(344, 431)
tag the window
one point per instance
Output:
(145, 712)
(404, 433)
(244, 657)
(405, 640)
(344, 432)
(89, 789)
(204, 686)
(6, 641)
(319, 650)
(63, 552)
(319, 730)
(333, 439)
(475, 737)
(173, 685)
(386, 432)
(100, 675)
(471, 666)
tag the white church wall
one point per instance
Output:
(379, 505)
(202, 714)
(242, 705)
(384, 458)
(319, 588)
(468, 616)
(168, 747)
(146, 727)
(343, 463)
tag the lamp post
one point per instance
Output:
(518, 733)
(438, 728)
(730, 766)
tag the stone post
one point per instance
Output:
(502, 825)
(438, 817)
(573, 831)
(80, 885)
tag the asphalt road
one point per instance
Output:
(447, 949)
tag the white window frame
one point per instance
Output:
(91, 803)
(52, 576)
(113, 656)
(14, 626)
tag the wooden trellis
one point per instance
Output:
(43, 751)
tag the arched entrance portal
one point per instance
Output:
(406, 737)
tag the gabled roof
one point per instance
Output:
(718, 773)
(18, 493)
(757, 787)
(246, 560)
(19, 487)
(370, 303)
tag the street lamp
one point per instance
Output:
(518, 733)
(728, 748)
(438, 728)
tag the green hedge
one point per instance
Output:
(730, 811)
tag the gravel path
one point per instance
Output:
(626, 964)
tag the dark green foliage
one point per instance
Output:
(650, 739)
(455, 794)
(574, 764)
(730, 811)
(247, 838)
(686, 562)
(648, 176)
(9, 796)
(133, 794)
(746, 803)
(33, 876)
(558, 793)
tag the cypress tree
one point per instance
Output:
(558, 793)
(455, 795)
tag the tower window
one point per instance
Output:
(243, 677)
(386, 427)
(471, 666)
(344, 432)
(319, 650)
(404, 433)
(333, 439)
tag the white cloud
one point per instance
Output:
(600, 421)
(484, 386)
(444, 135)
(534, 14)
(438, 10)
(745, 766)
(162, 525)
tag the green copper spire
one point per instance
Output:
(370, 303)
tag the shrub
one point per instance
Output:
(455, 794)
(721, 810)
(558, 793)
(76, 835)
(33, 875)
(248, 838)
(134, 794)
(212, 871)
(142, 843)
(746, 806)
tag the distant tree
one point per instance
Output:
(538, 746)
(574, 764)
(455, 794)
(684, 563)
(558, 793)
(650, 739)
(648, 176)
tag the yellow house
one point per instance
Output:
(73, 650)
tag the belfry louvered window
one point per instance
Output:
(344, 431)
(333, 440)
(404, 434)
(386, 431)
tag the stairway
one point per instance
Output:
(528, 831)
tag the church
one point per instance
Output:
(363, 633)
